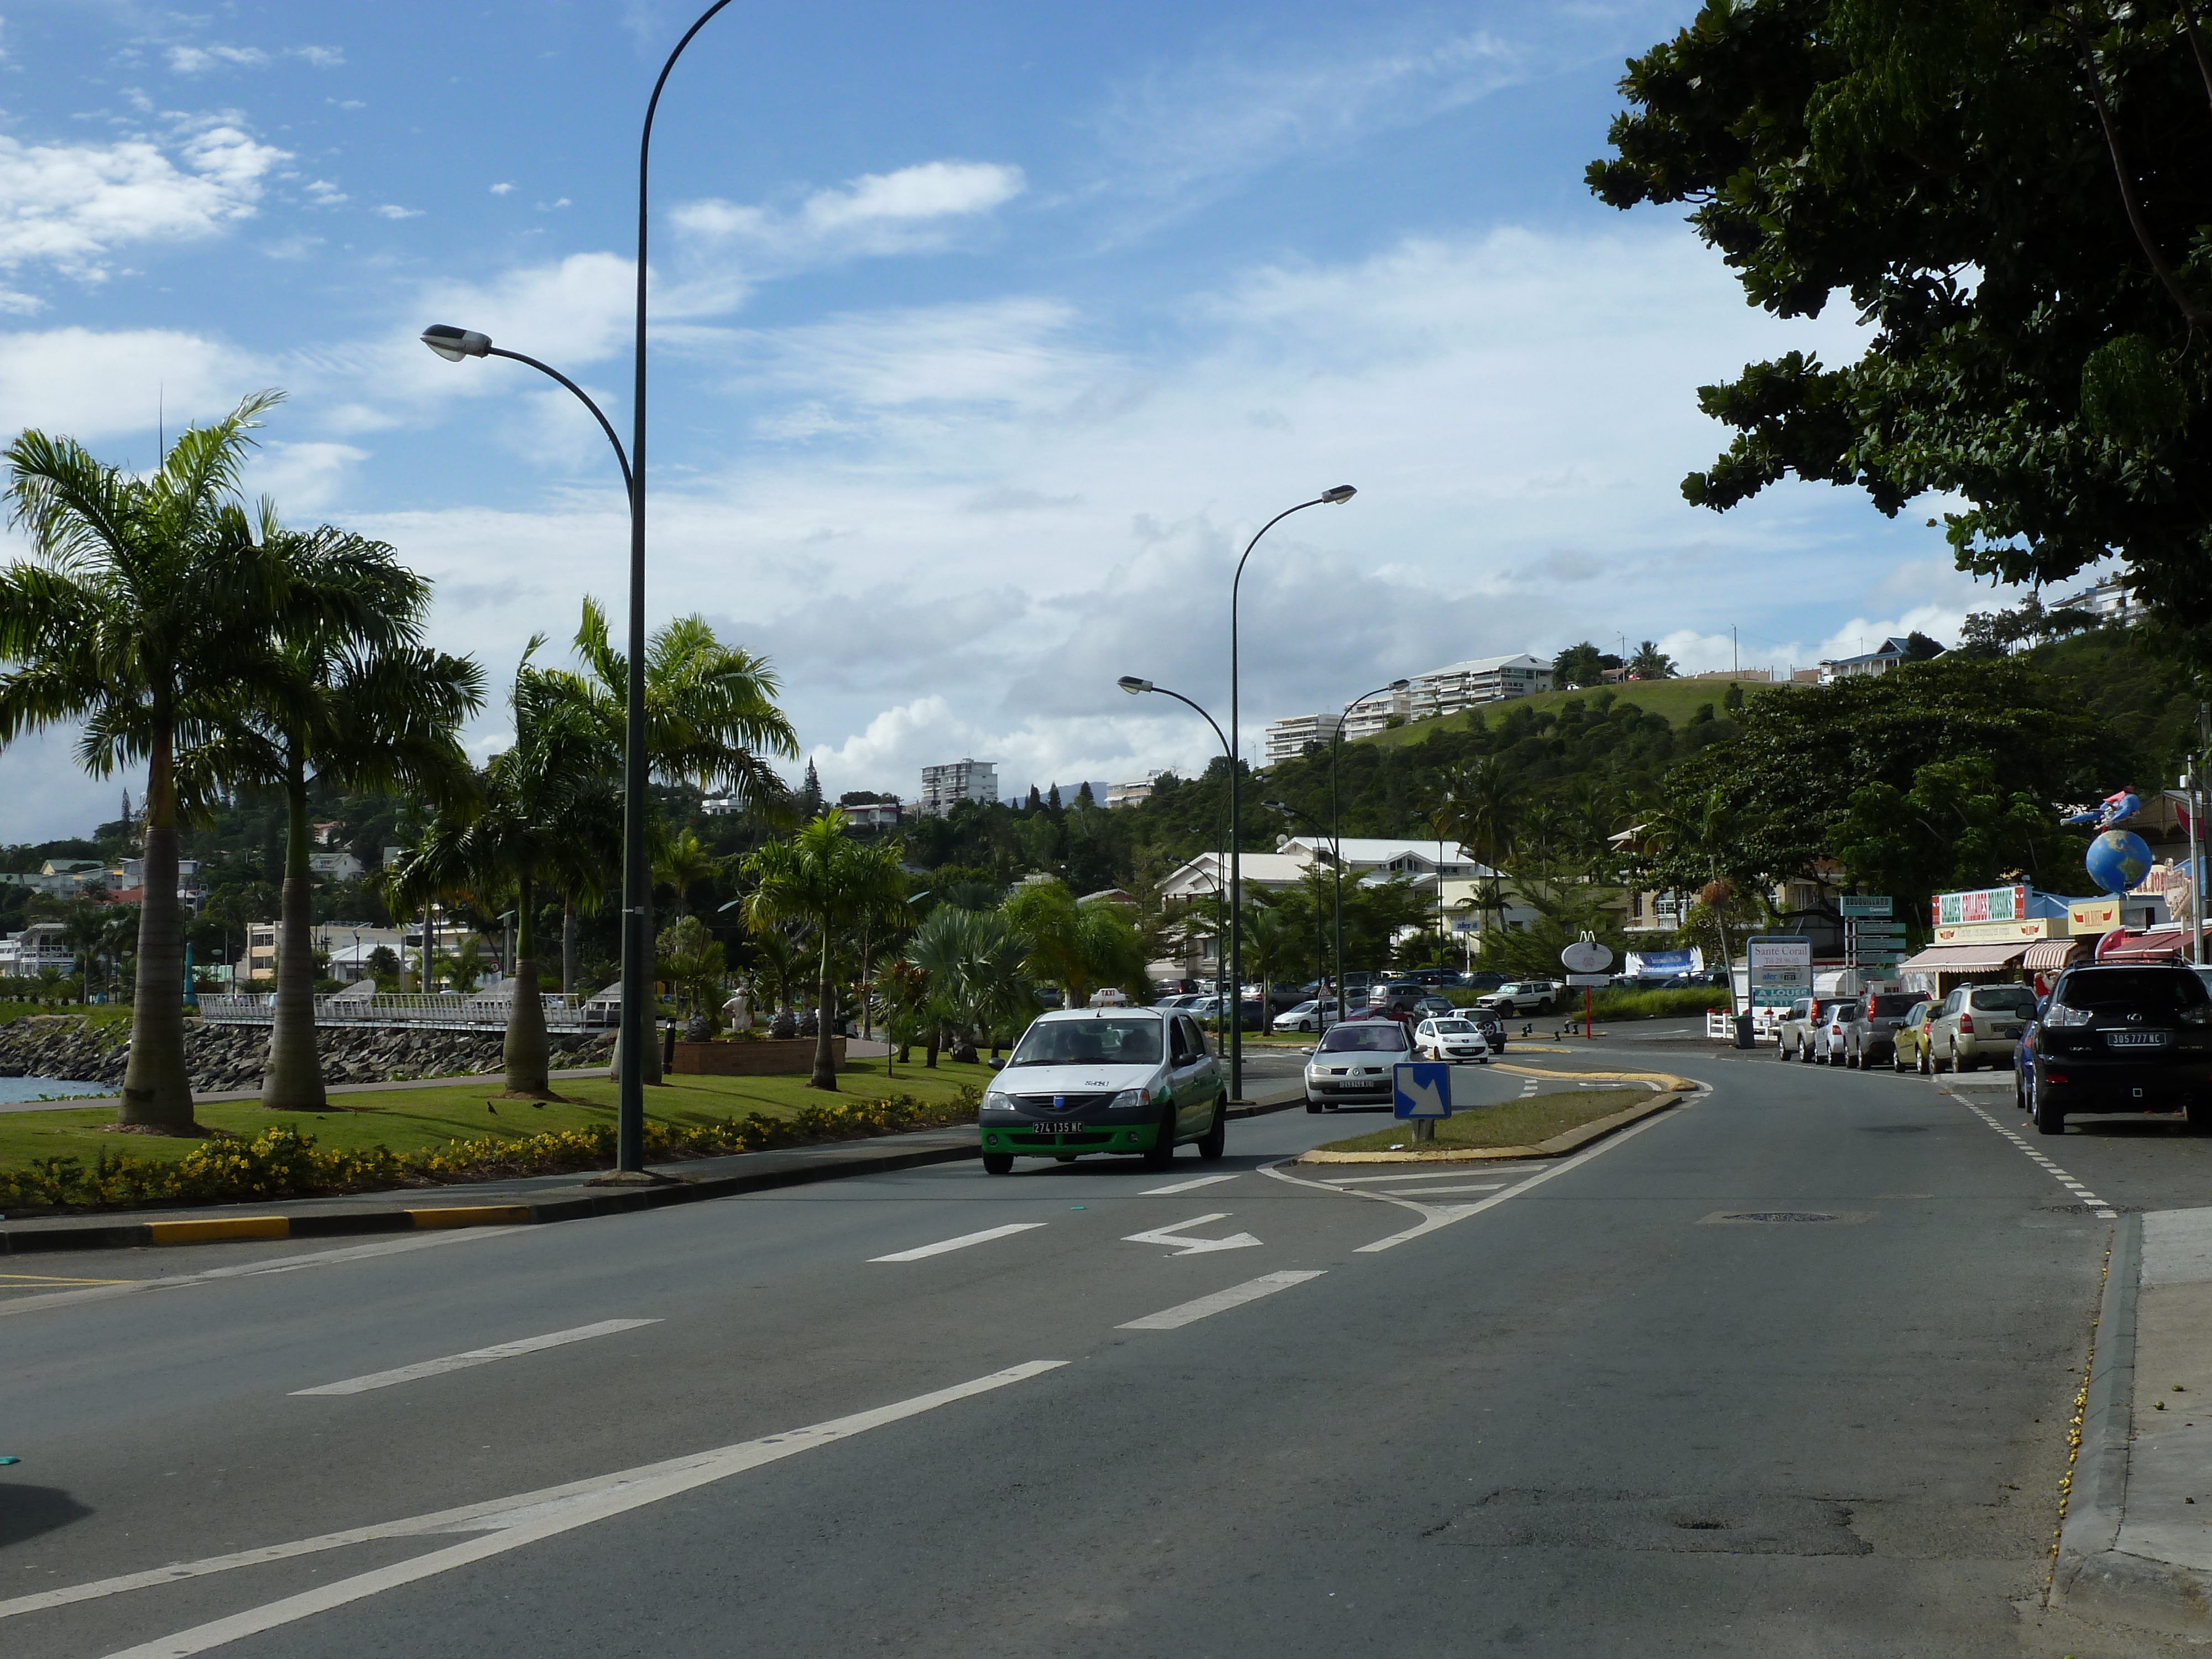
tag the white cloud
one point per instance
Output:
(909, 210)
(321, 193)
(501, 190)
(97, 386)
(75, 205)
(304, 477)
(198, 60)
(320, 57)
(390, 211)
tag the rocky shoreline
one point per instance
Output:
(224, 1058)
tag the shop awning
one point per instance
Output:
(2047, 956)
(1965, 958)
(2164, 945)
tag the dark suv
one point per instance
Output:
(2119, 1040)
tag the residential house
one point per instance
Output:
(338, 866)
(41, 945)
(1880, 660)
(1202, 885)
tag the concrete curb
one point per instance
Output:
(575, 1204)
(1571, 1140)
(2091, 1575)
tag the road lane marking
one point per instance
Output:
(1430, 1192)
(1434, 1216)
(507, 1524)
(282, 1264)
(456, 1362)
(1458, 1173)
(2105, 1211)
(1174, 1234)
(1236, 1296)
(1189, 1185)
(27, 1281)
(920, 1251)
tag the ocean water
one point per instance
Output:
(33, 1088)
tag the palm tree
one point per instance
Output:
(1650, 663)
(1078, 947)
(822, 875)
(350, 700)
(975, 964)
(683, 863)
(143, 602)
(1481, 805)
(537, 809)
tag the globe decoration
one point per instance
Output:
(2117, 860)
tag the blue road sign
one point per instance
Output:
(1423, 1089)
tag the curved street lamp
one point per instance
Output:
(1335, 496)
(1136, 687)
(637, 888)
(454, 344)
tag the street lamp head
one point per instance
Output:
(454, 343)
(1400, 685)
(1133, 685)
(1337, 496)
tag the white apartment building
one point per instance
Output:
(871, 815)
(943, 787)
(340, 866)
(1448, 690)
(1128, 794)
(1287, 737)
(41, 945)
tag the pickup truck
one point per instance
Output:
(1519, 996)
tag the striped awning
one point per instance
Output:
(2166, 944)
(2047, 956)
(1965, 958)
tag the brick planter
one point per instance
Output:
(767, 1057)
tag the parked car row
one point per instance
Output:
(2107, 1039)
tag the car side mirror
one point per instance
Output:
(996, 1065)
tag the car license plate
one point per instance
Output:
(1057, 1128)
(2004, 1030)
(2135, 1039)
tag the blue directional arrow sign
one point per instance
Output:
(1423, 1089)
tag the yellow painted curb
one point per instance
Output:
(469, 1215)
(207, 1232)
(1565, 1142)
(1657, 1080)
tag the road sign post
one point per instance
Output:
(1586, 960)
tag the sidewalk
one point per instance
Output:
(2137, 1546)
(522, 1202)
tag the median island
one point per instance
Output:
(1518, 1129)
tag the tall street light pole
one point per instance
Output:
(637, 891)
(1336, 824)
(1334, 497)
(1321, 970)
(1136, 687)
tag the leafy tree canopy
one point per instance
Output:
(2013, 196)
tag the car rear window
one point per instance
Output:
(1365, 1034)
(2002, 999)
(1900, 1004)
(2151, 990)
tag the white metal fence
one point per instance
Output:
(562, 1013)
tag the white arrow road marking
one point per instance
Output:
(1192, 1246)
(1428, 1100)
(455, 1362)
(508, 1523)
(1188, 1186)
(1184, 1313)
(1431, 1192)
(920, 1251)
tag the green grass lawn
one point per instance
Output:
(1520, 1123)
(101, 1013)
(406, 1120)
(1674, 700)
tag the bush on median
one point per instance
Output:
(281, 1162)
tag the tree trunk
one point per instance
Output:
(826, 1053)
(525, 1050)
(157, 1086)
(293, 1077)
(569, 945)
(929, 1055)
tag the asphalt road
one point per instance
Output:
(1640, 1401)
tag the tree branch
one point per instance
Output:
(2188, 308)
(2188, 11)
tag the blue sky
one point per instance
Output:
(983, 338)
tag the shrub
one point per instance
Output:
(281, 1162)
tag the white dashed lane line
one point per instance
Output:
(2081, 1194)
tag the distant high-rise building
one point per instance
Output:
(942, 786)
(1287, 737)
(1448, 690)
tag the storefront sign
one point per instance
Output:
(1984, 933)
(1979, 905)
(2097, 916)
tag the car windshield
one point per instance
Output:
(2139, 990)
(1367, 1034)
(1884, 1008)
(2003, 999)
(1123, 1042)
(1452, 1027)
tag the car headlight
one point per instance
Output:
(997, 1100)
(1127, 1099)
